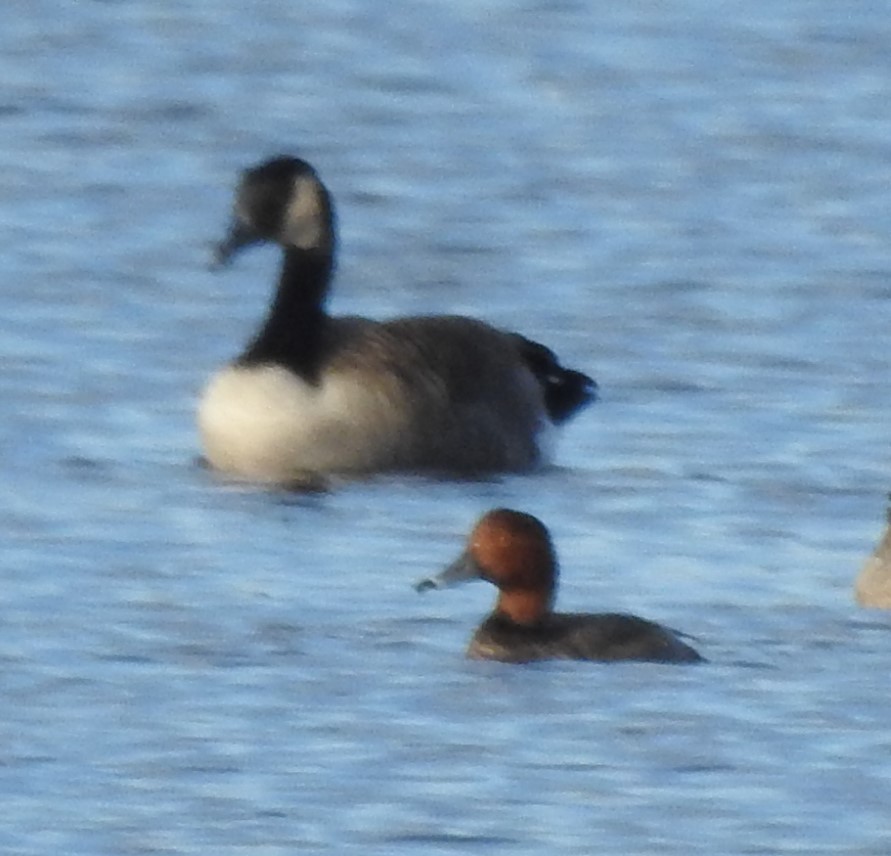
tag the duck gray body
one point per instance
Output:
(602, 637)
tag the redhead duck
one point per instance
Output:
(312, 393)
(873, 585)
(513, 551)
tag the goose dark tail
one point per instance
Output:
(566, 391)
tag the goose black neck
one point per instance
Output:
(291, 335)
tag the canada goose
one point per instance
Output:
(315, 394)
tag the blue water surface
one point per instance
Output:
(687, 200)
